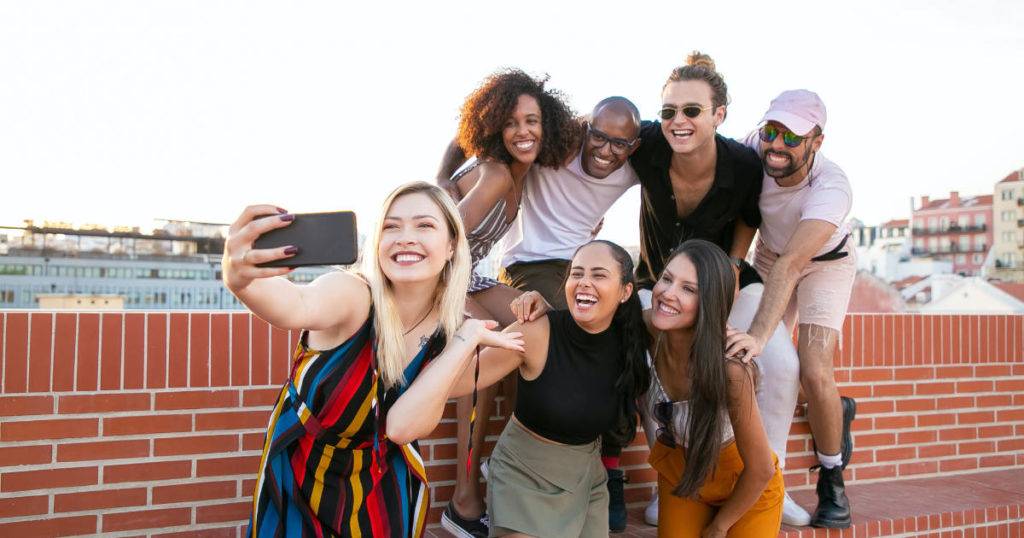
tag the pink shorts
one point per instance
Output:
(822, 292)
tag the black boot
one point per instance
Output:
(833, 509)
(616, 501)
(849, 413)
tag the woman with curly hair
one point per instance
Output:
(508, 124)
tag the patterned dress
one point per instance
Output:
(483, 237)
(327, 469)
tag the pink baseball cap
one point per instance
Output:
(798, 110)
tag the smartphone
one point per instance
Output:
(322, 238)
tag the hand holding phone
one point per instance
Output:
(321, 239)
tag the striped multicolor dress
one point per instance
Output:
(483, 237)
(327, 469)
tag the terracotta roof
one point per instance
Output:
(909, 281)
(1016, 175)
(965, 201)
(896, 223)
(1017, 290)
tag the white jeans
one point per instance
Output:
(778, 366)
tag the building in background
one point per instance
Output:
(1006, 262)
(955, 229)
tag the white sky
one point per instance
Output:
(121, 112)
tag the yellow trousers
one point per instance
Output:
(688, 517)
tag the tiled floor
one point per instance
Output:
(895, 500)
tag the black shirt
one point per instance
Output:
(574, 399)
(732, 195)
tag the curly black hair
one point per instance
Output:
(486, 110)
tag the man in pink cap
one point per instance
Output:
(808, 270)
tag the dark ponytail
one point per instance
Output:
(628, 321)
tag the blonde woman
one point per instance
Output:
(335, 462)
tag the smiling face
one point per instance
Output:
(594, 287)
(675, 298)
(602, 147)
(781, 161)
(415, 242)
(685, 134)
(522, 131)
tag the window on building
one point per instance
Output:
(933, 244)
(961, 258)
(963, 221)
(979, 219)
(978, 258)
(943, 223)
(1007, 216)
(979, 241)
(1008, 237)
(933, 224)
(965, 243)
(1007, 194)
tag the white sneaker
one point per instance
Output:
(651, 512)
(793, 514)
(484, 469)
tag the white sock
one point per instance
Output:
(830, 462)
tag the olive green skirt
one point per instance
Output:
(545, 489)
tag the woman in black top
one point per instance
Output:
(581, 370)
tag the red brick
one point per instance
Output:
(954, 371)
(199, 349)
(31, 430)
(48, 479)
(897, 389)
(146, 472)
(997, 461)
(60, 526)
(993, 370)
(253, 441)
(895, 422)
(177, 353)
(223, 512)
(973, 386)
(220, 343)
(280, 355)
(961, 464)
(11, 406)
(1010, 385)
(936, 451)
(12, 456)
(240, 348)
(95, 500)
(956, 402)
(236, 420)
(194, 491)
(260, 397)
(15, 353)
(259, 352)
(104, 403)
(24, 506)
(103, 450)
(958, 434)
(196, 399)
(222, 532)
(976, 417)
(195, 445)
(872, 374)
(943, 387)
(938, 419)
(907, 374)
(921, 467)
(40, 354)
(872, 407)
(995, 400)
(235, 465)
(874, 439)
(110, 354)
(977, 447)
(147, 519)
(918, 404)
(156, 350)
(1010, 415)
(875, 471)
(64, 342)
(915, 437)
(986, 432)
(898, 453)
(1010, 445)
(134, 350)
(87, 358)
(147, 424)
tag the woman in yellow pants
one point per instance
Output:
(717, 475)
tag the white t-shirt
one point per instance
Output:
(560, 209)
(824, 194)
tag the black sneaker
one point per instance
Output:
(456, 525)
(616, 501)
(849, 413)
(833, 511)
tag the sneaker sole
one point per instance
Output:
(832, 523)
(454, 529)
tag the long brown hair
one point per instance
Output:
(709, 383)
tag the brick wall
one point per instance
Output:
(151, 423)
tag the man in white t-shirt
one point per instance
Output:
(808, 270)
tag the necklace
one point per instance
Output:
(424, 338)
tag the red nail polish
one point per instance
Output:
(287, 217)
(291, 250)
(281, 210)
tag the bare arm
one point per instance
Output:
(742, 236)
(809, 237)
(452, 160)
(280, 302)
(419, 409)
(752, 443)
(483, 187)
(496, 363)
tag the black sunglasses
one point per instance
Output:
(598, 139)
(690, 111)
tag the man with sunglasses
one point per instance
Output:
(562, 209)
(808, 271)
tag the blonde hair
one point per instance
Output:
(449, 296)
(700, 66)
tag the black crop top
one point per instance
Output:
(574, 399)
